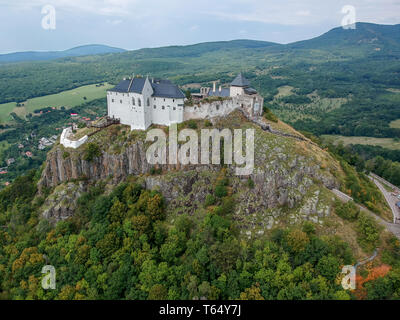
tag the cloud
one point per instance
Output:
(114, 22)
(284, 12)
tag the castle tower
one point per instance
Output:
(238, 85)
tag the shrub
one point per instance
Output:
(269, 115)
(92, 151)
(348, 211)
(66, 155)
(192, 124)
(250, 183)
(368, 231)
(308, 228)
(221, 191)
(155, 171)
(210, 200)
(207, 123)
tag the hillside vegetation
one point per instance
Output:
(189, 233)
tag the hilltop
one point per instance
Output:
(91, 49)
(119, 228)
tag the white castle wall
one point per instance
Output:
(251, 105)
(70, 143)
(209, 110)
(157, 110)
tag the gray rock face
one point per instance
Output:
(282, 178)
(61, 204)
(59, 170)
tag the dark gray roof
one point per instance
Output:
(250, 91)
(240, 81)
(166, 89)
(225, 92)
(161, 88)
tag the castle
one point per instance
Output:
(140, 102)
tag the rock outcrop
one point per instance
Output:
(288, 173)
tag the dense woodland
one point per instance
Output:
(120, 246)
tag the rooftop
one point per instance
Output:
(225, 92)
(162, 88)
(240, 81)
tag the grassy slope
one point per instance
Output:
(387, 143)
(68, 99)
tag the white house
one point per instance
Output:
(140, 102)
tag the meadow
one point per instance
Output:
(387, 143)
(67, 99)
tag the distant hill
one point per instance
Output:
(93, 49)
(365, 34)
(199, 49)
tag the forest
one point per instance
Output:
(120, 246)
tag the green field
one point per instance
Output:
(68, 99)
(387, 143)
(395, 124)
(3, 145)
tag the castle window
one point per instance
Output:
(217, 106)
(120, 101)
(112, 100)
(163, 107)
(148, 102)
(174, 108)
(133, 101)
(139, 102)
(155, 106)
(173, 100)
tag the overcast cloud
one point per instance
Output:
(134, 24)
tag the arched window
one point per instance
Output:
(133, 101)
(139, 102)
(163, 107)
(148, 102)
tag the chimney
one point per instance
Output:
(214, 86)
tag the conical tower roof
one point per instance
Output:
(240, 81)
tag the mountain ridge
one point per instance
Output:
(90, 49)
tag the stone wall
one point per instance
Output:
(67, 143)
(251, 105)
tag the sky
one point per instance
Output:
(133, 24)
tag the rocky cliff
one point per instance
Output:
(290, 176)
